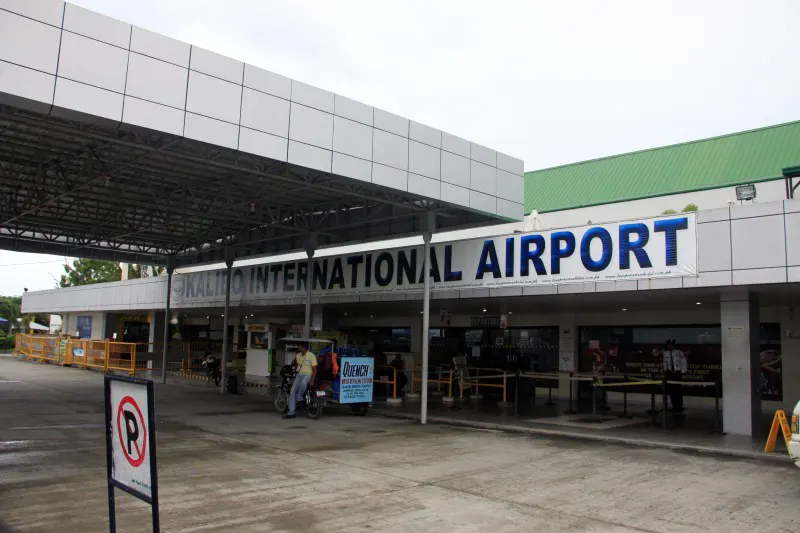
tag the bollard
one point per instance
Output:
(413, 395)
(394, 400)
(505, 403)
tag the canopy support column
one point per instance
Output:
(229, 255)
(170, 270)
(311, 247)
(428, 224)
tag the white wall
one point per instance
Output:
(790, 349)
(132, 295)
(70, 323)
(769, 191)
(740, 246)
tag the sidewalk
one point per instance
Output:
(694, 434)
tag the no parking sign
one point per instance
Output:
(131, 442)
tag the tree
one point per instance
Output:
(43, 320)
(10, 308)
(6, 339)
(144, 271)
(669, 212)
(89, 271)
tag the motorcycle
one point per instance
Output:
(313, 399)
(213, 369)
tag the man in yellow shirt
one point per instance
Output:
(305, 363)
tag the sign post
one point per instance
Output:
(131, 443)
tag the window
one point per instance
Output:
(84, 327)
(637, 350)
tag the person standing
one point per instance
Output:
(399, 365)
(305, 364)
(599, 369)
(675, 366)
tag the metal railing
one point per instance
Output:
(439, 381)
(473, 381)
(392, 382)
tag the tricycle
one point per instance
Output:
(348, 381)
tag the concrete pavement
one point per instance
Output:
(230, 464)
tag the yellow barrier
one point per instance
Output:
(439, 382)
(779, 423)
(128, 357)
(96, 355)
(122, 357)
(23, 345)
(194, 353)
(474, 381)
(392, 382)
(50, 349)
(37, 348)
(75, 352)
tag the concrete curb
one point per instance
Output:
(609, 439)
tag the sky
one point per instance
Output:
(550, 82)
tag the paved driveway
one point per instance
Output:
(230, 464)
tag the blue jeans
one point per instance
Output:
(298, 388)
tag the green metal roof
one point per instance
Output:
(745, 157)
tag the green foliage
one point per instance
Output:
(7, 339)
(10, 308)
(140, 271)
(89, 271)
(690, 208)
(43, 320)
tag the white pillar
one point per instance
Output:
(790, 357)
(741, 365)
(226, 319)
(165, 347)
(311, 247)
(567, 356)
(429, 223)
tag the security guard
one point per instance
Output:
(675, 366)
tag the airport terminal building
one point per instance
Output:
(600, 270)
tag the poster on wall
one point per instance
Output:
(84, 327)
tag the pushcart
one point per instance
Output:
(349, 383)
